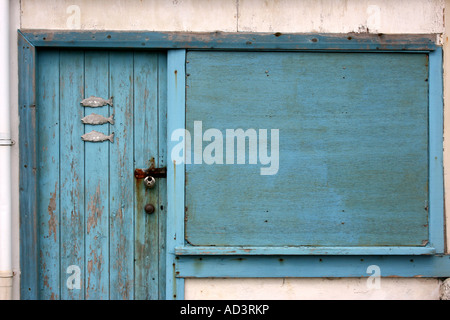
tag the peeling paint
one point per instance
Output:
(52, 222)
(94, 209)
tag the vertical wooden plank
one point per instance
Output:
(72, 173)
(436, 127)
(121, 178)
(162, 162)
(97, 181)
(145, 156)
(176, 115)
(29, 237)
(47, 99)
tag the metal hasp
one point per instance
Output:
(150, 172)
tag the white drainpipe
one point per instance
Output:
(5, 157)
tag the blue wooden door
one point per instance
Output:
(96, 240)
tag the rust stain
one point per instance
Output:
(94, 209)
(46, 282)
(52, 223)
(91, 264)
(152, 163)
(152, 171)
(120, 214)
(176, 79)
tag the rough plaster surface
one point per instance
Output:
(342, 16)
(312, 289)
(445, 290)
(333, 16)
(153, 15)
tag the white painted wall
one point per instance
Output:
(331, 16)
(14, 24)
(312, 289)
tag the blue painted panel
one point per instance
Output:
(176, 111)
(353, 157)
(313, 266)
(436, 152)
(121, 178)
(96, 187)
(231, 41)
(71, 175)
(145, 156)
(163, 162)
(29, 234)
(48, 175)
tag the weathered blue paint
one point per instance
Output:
(312, 266)
(163, 162)
(48, 170)
(71, 177)
(209, 266)
(234, 41)
(353, 156)
(436, 174)
(29, 255)
(301, 250)
(176, 87)
(121, 178)
(97, 190)
(90, 206)
(150, 81)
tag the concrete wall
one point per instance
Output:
(333, 16)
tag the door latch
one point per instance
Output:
(149, 175)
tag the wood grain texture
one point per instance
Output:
(96, 170)
(313, 266)
(436, 152)
(29, 235)
(121, 178)
(232, 40)
(146, 155)
(176, 111)
(71, 174)
(48, 175)
(163, 162)
(90, 207)
(353, 149)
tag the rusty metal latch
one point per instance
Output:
(150, 172)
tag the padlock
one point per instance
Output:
(149, 182)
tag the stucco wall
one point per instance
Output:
(333, 16)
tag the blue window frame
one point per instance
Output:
(184, 260)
